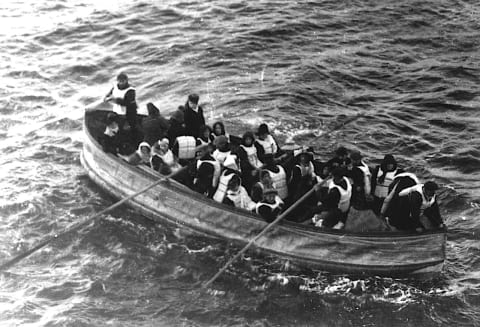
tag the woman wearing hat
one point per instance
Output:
(270, 206)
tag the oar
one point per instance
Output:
(77, 226)
(266, 229)
(338, 126)
(35, 127)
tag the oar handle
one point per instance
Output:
(78, 225)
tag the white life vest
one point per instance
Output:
(186, 147)
(381, 190)
(216, 171)
(241, 199)
(367, 176)
(279, 181)
(220, 156)
(117, 93)
(252, 156)
(277, 204)
(410, 175)
(307, 171)
(222, 186)
(269, 145)
(419, 188)
(345, 195)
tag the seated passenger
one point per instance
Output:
(382, 177)
(415, 208)
(270, 206)
(231, 169)
(278, 175)
(340, 159)
(266, 144)
(219, 129)
(163, 159)
(360, 177)
(177, 125)
(110, 140)
(154, 126)
(265, 182)
(237, 196)
(205, 135)
(303, 175)
(141, 156)
(336, 204)
(207, 172)
(249, 162)
(400, 182)
(222, 150)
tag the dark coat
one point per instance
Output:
(193, 120)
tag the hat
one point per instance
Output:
(306, 153)
(341, 151)
(220, 141)
(270, 191)
(262, 129)
(431, 186)
(122, 76)
(193, 98)
(356, 156)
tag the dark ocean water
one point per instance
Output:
(410, 66)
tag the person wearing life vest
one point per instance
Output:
(278, 175)
(336, 204)
(218, 128)
(140, 157)
(249, 163)
(265, 182)
(270, 206)
(382, 177)
(222, 150)
(266, 144)
(360, 177)
(193, 116)
(416, 208)
(207, 172)
(122, 95)
(162, 159)
(205, 136)
(230, 169)
(303, 176)
(237, 196)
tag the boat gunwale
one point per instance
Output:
(177, 187)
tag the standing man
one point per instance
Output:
(194, 118)
(122, 95)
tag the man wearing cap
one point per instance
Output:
(193, 116)
(416, 208)
(123, 97)
(270, 206)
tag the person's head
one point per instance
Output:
(337, 174)
(305, 158)
(269, 195)
(234, 183)
(341, 153)
(430, 188)
(144, 148)
(221, 142)
(325, 170)
(262, 131)
(356, 158)
(122, 80)
(389, 163)
(193, 100)
(201, 151)
(177, 116)
(163, 144)
(205, 131)
(152, 110)
(112, 121)
(218, 128)
(265, 177)
(248, 139)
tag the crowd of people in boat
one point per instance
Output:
(254, 173)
